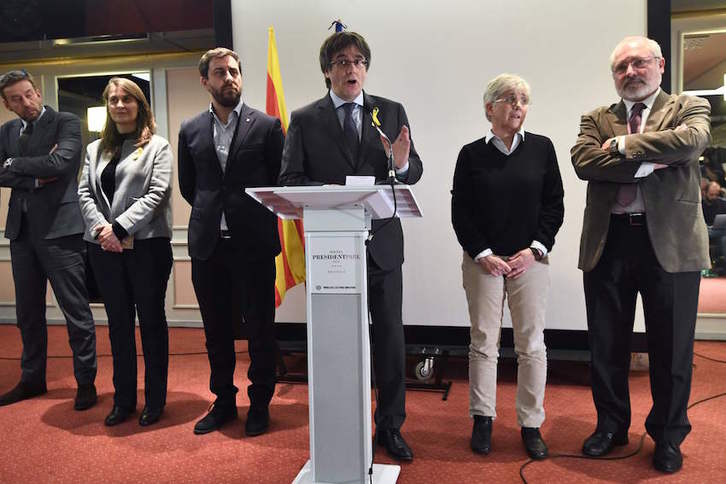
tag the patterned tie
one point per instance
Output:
(350, 130)
(25, 139)
(628, 191)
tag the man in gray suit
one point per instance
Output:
(643, 232)
(40, 154)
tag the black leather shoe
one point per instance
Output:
(667, 457)
(533, 443)
(601, 443)
(258, 421)
(85, 397)
(396, 447)
(481, 435)
(118, 415)
(149, 416)
(218, 416)
(22, 391)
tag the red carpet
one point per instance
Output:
(45, 440)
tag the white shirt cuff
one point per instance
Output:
(403, 170)
(621, 144)
(646, 168)
(540, 246)
(483, 253)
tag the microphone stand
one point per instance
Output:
(391, 179)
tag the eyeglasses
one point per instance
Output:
(513, 100)
(637, 63)
(358, 62)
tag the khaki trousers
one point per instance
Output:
(527, 298)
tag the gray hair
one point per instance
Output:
(653, 46)
(501, 84)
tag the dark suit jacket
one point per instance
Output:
(315, 153)
(54, 151)
(672, 195)
(253, 161)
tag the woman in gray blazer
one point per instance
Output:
(124, 193)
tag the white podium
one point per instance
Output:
(337, 222)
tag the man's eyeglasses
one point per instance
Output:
(637, 63)
(357, 62)
(513, 100)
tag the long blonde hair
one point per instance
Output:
(111, 139)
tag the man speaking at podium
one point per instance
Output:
(330, 139)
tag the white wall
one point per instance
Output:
(436, 57)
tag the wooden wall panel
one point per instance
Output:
(186, 98)
(183, 289)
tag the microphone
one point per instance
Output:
(391, 180)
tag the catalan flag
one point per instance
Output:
(290, 263)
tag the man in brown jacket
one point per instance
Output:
(643, 232)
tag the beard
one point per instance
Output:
(637, 89)
(29, 115)
(228, 98)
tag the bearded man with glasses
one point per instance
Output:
(643, 232)
(333, 138)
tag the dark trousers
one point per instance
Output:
(35, 261)
(132, 282)
(670, 300)
(385, 290)
(229, 287)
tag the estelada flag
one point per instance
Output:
(290, 264)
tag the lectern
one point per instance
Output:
(337, 223)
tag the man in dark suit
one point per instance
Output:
(41, 155)
(643, 232)
(333, 138)
(233, 240)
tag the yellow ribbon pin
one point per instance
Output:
(137, 153)
(374, 115)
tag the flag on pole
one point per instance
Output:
(290, 264)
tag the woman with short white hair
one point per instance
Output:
(506, 208)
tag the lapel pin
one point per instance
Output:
(248, 120)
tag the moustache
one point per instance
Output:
(635, 80)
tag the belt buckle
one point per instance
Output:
(636, 219)
(225, 234)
